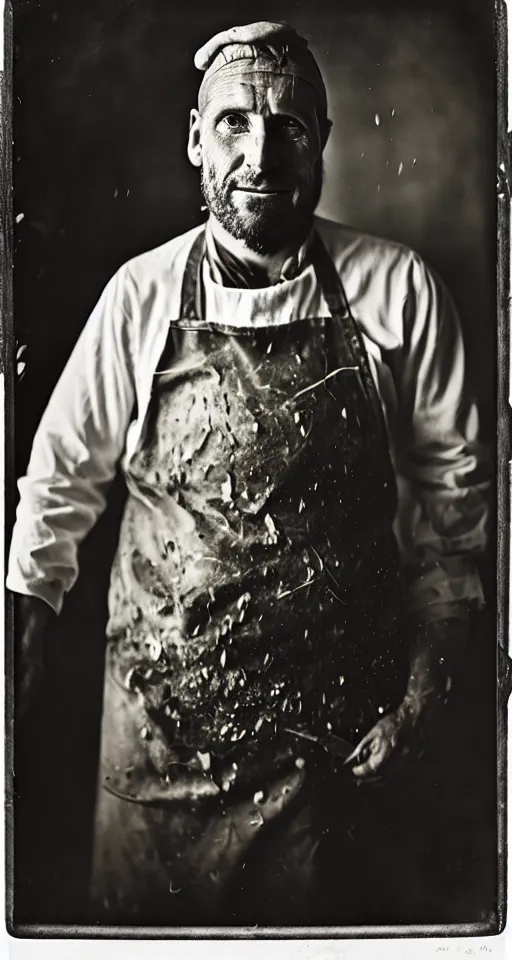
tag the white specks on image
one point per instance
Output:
(154, 646)
(226, 489)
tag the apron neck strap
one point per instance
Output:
(328, 278)
(190, 289)
(326, 273)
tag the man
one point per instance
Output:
(286, 400)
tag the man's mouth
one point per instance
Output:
(262, 191)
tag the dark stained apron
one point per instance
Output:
(255, 602)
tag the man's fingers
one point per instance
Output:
(365, 769)
(373, 755)
(361, 751)
(371, 765)
(249, 33)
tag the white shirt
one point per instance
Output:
(95, 417)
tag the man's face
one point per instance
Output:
(260, 151)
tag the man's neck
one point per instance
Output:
(269, 266)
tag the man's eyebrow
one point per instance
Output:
(287, 112)
(222, 111)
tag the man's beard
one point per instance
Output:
(264, 226)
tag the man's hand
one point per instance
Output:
(32, 615)
(436, 653)
(388, 740)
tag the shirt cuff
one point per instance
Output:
(435, 594)
(51, 593)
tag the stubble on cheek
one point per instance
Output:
(216, 174)
(266, 227)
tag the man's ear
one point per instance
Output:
(194, 139)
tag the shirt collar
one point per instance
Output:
(230, 271)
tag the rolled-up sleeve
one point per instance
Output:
(75, 452)
(446, 496)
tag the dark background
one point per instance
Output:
(102, 92)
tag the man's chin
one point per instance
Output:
(259, 212)
(270, 232)
(266, 239)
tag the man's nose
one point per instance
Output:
(259, 151)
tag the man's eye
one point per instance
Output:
(292, 127)
(234, 123)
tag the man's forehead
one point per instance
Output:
(264, 92)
